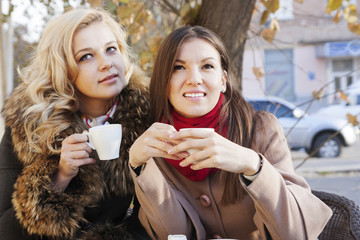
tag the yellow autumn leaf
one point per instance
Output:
(271, 5)
(264, 17)
(274, 25)
(268, 34)
(337, 16)
(300, 1)
(318, 94)
(355, 28)
(258, 72)
(344, 97)
(352, 119)
(334, 4)
(328, 10)
(350, 14)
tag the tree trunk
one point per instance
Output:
(230, 19)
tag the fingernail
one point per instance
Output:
(182, 164)
(171, 151)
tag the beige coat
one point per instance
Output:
(277, 198)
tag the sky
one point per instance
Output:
(35, 12)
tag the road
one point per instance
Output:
(336, 175)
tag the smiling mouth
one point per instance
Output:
(194, 95)
(109, 77)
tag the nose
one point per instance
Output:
(194, 77)
(105, 63)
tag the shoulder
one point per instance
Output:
(268, 132)
(266, 121)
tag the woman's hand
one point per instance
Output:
(154, 142)
(214, 151)
(74, 153)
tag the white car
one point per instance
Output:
(343, 108)
(312, 132)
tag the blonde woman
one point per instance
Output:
(52, 185)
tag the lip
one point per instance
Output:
(109, 78)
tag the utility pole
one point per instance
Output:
(2, 61)
(9, 56)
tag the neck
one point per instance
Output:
(95, 108)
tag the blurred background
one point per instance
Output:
(299, 59)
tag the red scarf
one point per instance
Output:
(209, 120)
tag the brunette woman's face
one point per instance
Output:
(197, 79)
(101, 70)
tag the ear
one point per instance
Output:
(224, 80)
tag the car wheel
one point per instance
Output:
(330, 149)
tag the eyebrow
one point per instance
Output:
(89, 48)
(202, 60)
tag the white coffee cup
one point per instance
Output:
(106, 140)
(193, 150)
(177, 237)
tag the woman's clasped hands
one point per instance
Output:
(198, 148)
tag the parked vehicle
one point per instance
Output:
(343, 107)
(308, 131)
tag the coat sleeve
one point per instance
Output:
(10, 167)
(283, 200)
(164, 210)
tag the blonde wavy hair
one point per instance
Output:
(49, 78)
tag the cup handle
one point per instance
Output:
(89, 140)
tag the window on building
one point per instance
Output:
(279, 78)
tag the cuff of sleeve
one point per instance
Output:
(252, 177)
(137, 170)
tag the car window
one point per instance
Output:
(275, 108)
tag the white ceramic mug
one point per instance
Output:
(193, 150)
(106, 140)
(177, 237)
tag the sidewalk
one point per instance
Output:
(348, 161)
(318, 167)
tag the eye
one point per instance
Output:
(85, 57)
(178, 67)
(111, 49)
(208, 66)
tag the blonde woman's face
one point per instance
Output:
(101, 70)
(197, 79)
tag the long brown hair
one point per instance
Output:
(236, 112)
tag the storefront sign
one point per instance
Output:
(339, 49)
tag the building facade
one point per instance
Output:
(310, 52)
